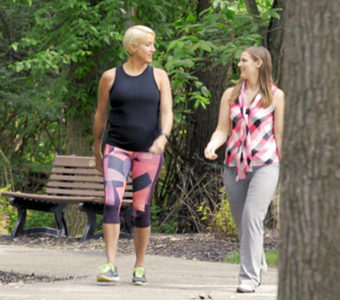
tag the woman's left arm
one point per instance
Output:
(166, 113)
(279, 107)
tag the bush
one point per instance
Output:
(219, 218)
(38, 218)
(223, 221)
(8, 213)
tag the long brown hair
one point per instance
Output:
(265, 76)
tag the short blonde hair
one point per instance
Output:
(134, 34)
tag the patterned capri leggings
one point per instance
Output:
(144, 167)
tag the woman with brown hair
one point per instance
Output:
(250, 121)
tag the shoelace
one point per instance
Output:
(139, 272)
(105, 268)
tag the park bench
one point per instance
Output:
(73, 180)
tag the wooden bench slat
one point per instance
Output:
(82, 178)
(76, 178)
(76, 185)
(59, 170)
(53, 198)
(56, 191)
(83, 185)
(74, 161)
(127, 195)
(92, 193)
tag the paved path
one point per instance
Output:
(169, 278)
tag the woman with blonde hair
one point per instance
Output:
(250, 121)
(139, 95)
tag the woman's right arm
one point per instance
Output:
(100, 117)
(220, 135)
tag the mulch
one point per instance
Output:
(203, 247)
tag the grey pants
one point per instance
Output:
(249, 200)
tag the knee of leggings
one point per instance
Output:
(111, 214)
(143, 219)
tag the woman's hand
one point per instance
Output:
(209, 151)
(158, 145)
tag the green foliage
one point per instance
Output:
(224, 222)
(7, 211)
(215, 37)
(38, 218)
(30, 130)
(219, 219)
(68, 41)
(233, 258)
(272, 258)
(158, 225)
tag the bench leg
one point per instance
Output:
(60, 220)
(18, 228)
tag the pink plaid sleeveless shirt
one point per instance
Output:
(252, 140)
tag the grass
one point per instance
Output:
(272, 258)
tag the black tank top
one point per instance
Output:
(134, 114)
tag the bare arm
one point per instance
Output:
(166, 113)
(220, 135)
(100, 117)
(279, 106)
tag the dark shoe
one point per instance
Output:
(138, 277)
(245, 288)
(107, 273)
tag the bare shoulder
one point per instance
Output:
(278, 98)
(226, 94)
(109, 74)
(160, 73)
(161, 78)
(108, 78)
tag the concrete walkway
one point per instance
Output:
(168, 278)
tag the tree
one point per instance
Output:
(274, 40)
(310, 206)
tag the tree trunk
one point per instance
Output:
(310, 210)
(252, 7)
(202, 5)
(274, 40)
(203, 122)
(77, 135)
(77, 138)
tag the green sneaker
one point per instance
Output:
(138, 277)
(107, 273)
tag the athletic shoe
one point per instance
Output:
(138, 277)
(107, 273)
(245, 288)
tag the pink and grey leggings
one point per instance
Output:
(144, 167)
